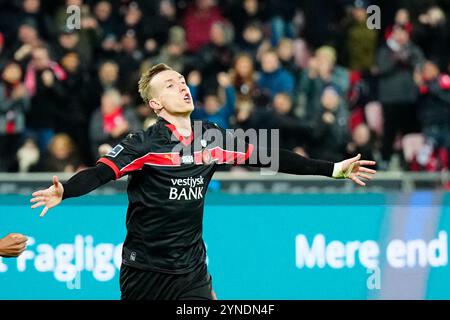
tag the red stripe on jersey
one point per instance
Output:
(230, 157)
(158, 159)
(112, 165)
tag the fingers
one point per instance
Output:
(356, 158)
(367, 170)
(39, 204)
(19, 238)
(44, 211)
(356, 180)
(365, 176)
(38, 193)
(366, 163)
(55, 182)
(40, 198)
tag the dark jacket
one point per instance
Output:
(396, 84)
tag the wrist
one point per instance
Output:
(337, 171)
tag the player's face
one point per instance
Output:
(172, 92)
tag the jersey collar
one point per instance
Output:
(184, 140)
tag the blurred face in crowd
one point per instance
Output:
(31, 6)
(400, 36)
(70, 62)
(285, 49)
(103, 10)
(61, 146)
(167, 9)
(40, 58)
(325, 59)
(251, 7)
(129, 42)
(68, 40)
(361, 135)
(270, 62)
(217, 34)
(110, 102)
(204, 4)
(109, 72)
(12, 73)
(282, 103)
(171, 93)
(77, 3)
(27, 34)
(212, 104)
(359, 14)
(430, 71)
(330, 99)
(244, 66)
(252, 34)
(402, 17)
(133, 15)
(175, 49)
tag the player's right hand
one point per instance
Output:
(13, 245)
(49, 197)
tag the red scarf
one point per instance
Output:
(30, 76)
(112, 119)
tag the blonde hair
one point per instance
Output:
(145, 89)
(328, 52)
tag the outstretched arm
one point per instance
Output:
(292, 163)
(80, 184)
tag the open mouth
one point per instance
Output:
(187, 98)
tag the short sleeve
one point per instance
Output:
(127, 156)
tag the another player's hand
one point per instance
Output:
(49, 197)
(13, 245)
(353, 169)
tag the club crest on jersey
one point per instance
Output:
(187, 159)
(115, 151)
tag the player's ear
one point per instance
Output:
(155, 105)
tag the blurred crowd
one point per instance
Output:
(310, 68)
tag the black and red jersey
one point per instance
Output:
(168, 179)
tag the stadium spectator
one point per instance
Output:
(432, 35)
(27, 39)
(285, 51)
(14, 102)
(217, 55)
(322, 71)
(434, 105)
(111, 122)
(241, 12)
(359, 43)
(157, 32)
(172, 53)
(252, 41)
(274, 78)
(198, 21)
(44, 83)
(330, 131)
(397, 60)
(213, 110)
(77, 111)
(61, 156)
(243, 77)
(107, 78)
(361, 142)
(32, 10)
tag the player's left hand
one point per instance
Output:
(354, 169)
